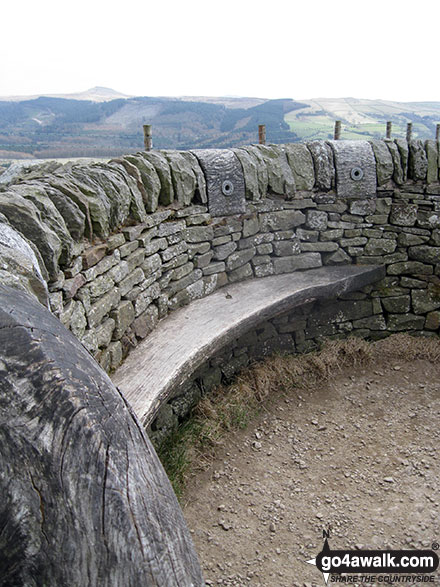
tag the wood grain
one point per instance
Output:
(84, 498)
(188, 337)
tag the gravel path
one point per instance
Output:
(358, 457)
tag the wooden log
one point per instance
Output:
(84, 498)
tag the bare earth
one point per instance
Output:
(358, 456)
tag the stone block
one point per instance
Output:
(310, 236)
(183, 283)
(339, 257)
(250, 226)
(372, 322)
(425, 300)
(78, 321)
(397, 304)
(239, 258)
(410, 268)
(214, 268)
(94, 254)
(429, 219)
(417, 161)
(114, 241)
(146, 322)
(380, 246)
(182, 271)
(323, 247)
(223, 251)
(201, 261)
(328, 235)
(198, 234)
(401, 322)
(316, 220)
(424, 253)
(296, 262)
(102, 307)
(132, 279)
(104, 332)
(123, 316)
(176, 262)
(128, 248)
(265, 249)
(323, 164)
(403, 214)
(287, 247)
(101, 285)
(192, 292)
(240, 273)
(301, 163)
(432, 321)
(281, 220)
(384, 161)
(264, 270)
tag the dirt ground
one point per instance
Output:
(357, 457)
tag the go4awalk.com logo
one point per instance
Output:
(377, 566)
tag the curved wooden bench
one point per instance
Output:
(188, 337)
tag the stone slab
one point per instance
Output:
(355, 169)
(224, 181)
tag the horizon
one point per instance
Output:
(124, 95)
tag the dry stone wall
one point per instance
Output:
(112, 248)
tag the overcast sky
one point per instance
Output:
(385, 49)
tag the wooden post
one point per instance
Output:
(389, 127)
(437, 132)
(99, 509)
(408, 131)
(148, 140)
(337, 134)
(262, 134)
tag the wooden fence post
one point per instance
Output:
(389, 127)
(337, 133)
(262, 134)
(409, 131)
(148, 140)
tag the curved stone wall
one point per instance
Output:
(112, 248)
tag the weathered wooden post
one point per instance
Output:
(389, 127)
(409, 131)
(437, 132)
(84, 498)
(337, 133)
(148, 140)
(262, 134)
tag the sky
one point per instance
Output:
(380, 49)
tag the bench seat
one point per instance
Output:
(188, 337)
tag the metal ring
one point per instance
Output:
(357, 174)
(227, 188)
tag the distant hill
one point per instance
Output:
(102, 123)
(46, 127)
(363, 118)
(96, 94)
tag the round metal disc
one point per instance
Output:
(356, 173)
(227, 188)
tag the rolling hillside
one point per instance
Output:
(103, 123)
(363, 118)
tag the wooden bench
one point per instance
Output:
(191, 335)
